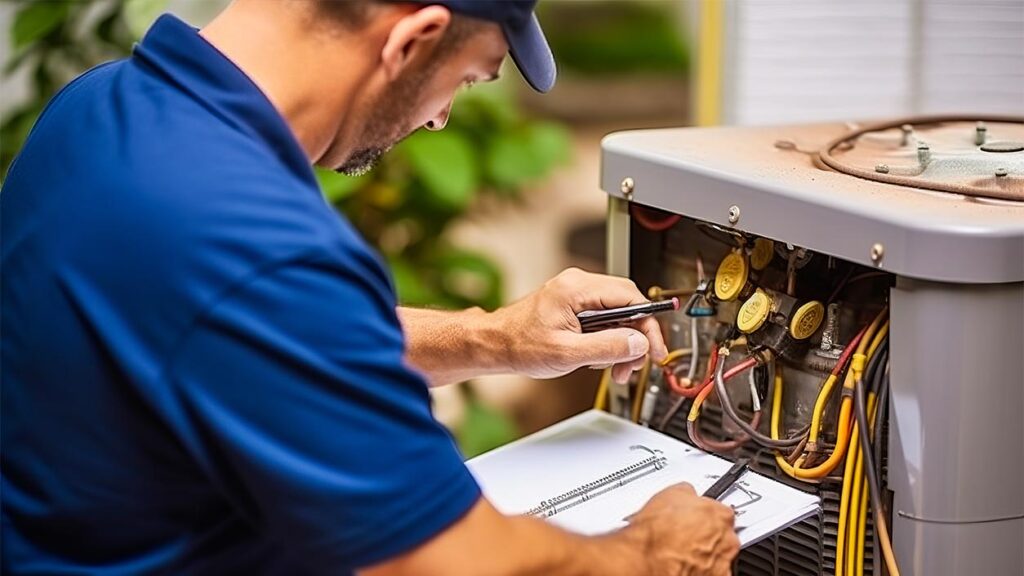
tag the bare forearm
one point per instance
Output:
(486, 542)
(449, 346)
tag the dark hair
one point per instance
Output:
(354, 14)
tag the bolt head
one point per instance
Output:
(1000, 172)
(882, 168)
(877, 253)
(734, 214)
(627, 187)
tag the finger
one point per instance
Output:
(684, 487)
(612, 346)
(601, 291)
(652, 330)
(620, 373)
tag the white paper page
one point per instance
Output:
(606, 468)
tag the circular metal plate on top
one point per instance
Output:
(1002, 146)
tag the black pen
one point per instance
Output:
(591, 320)
(723, 484)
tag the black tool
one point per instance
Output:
(591, 320)
(723, 484)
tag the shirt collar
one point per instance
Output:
(177, 51)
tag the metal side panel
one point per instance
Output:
(706, 172)
(617, 238)
(956, 450)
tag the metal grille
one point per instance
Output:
(806, 548)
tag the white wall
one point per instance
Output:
(812, 60)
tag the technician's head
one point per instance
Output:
(425, 51)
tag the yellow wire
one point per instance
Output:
(641, 388)
(853, 475)
(859, 502)
(844, 503)
(863, 528)
(826, 389)
(601, 400)
(877, 341)
(843, 426)
(676, 355)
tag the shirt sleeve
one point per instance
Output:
(296, 401)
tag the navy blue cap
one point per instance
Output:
(526, 42)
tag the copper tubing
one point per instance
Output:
(825, 154)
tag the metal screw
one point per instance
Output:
(882, 168)
(734, 214)
(908, 131)
(980, 131)
(924, 154)
(877, 253)
(627, 188)
(1001, 172)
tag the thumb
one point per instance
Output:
(612, 346)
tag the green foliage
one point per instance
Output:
(615, 37)
(430, 179)
(51, 43)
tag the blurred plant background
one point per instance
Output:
(494, 152)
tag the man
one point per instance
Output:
(203, 366)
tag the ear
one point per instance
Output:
(413, 36)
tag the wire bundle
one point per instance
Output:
(863, 369)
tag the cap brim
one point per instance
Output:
(532, 55)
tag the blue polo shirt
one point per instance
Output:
(202, 365)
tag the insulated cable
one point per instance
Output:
(843, 428)
(874, 485)
(730, 411)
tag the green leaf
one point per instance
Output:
(337, 187)
(483, 429)
(446, 164)
(510, 160)
(411, 289)
(471, 276)
(140, 14)
(550, 143)
(37, 19)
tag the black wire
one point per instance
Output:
(723, 397)
(879, 385)
(872, 370)
(874, 487)
(882, 399)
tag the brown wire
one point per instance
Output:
(693, 429)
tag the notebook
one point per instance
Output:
(587, 474)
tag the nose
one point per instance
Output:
(440, 121)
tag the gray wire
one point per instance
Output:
(694, 350)
(874, 487)
(723, 396)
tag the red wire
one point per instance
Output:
(693, 429)
(645, 217)
(689, 392)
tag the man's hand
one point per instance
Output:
(676, 534)
(545, 336)
(684, 533)
(538, 336)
